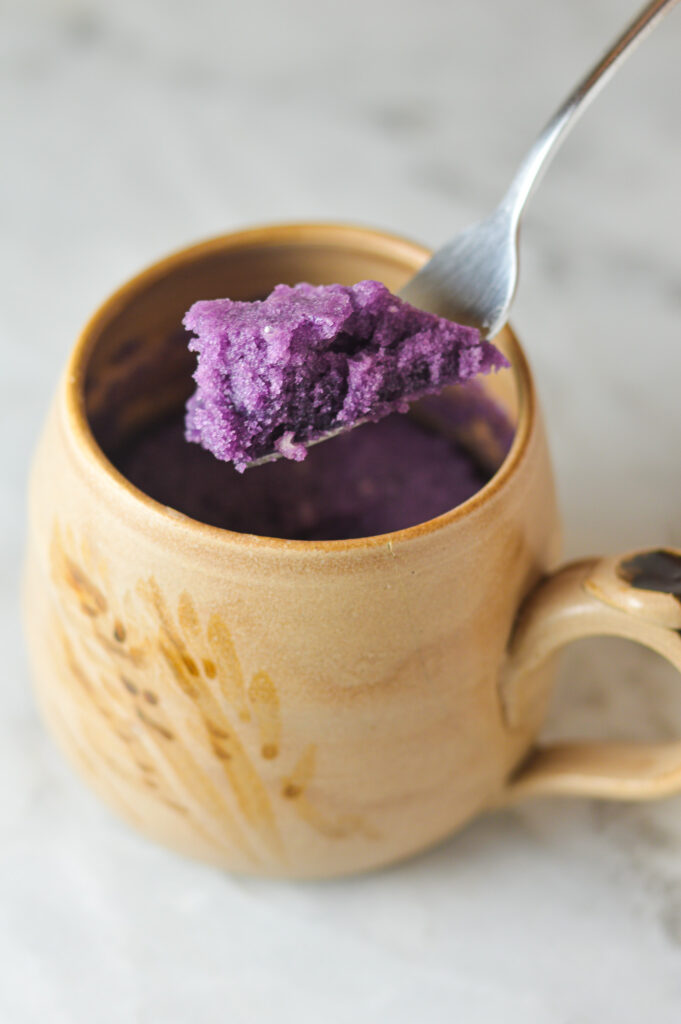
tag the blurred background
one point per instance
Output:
(134, 128)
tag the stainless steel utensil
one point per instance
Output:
(473, 278)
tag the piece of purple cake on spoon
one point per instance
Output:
(276, 375)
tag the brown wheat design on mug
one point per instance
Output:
(188, 756)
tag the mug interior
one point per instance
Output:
(133, 365)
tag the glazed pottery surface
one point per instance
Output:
(306, 708)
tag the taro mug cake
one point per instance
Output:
(311, 362)
(313, 668)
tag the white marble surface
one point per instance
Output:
(133, 128)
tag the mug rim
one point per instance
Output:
(296, 233)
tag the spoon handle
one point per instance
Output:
(540, 154)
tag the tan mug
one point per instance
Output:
(309, 708)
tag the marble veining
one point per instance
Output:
(131, 129)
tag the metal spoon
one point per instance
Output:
(473, 278)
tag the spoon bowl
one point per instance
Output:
(472, 279)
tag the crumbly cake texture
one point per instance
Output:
(276, 374)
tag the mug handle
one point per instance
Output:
(635, 596)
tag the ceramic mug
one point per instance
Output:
(309, 708)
